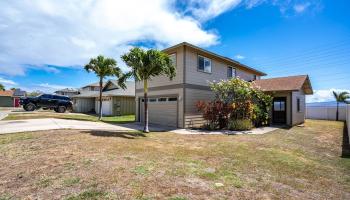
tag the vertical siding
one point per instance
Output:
(6, 101)
(298, 117)
(163, 80)
(127, 105)
(83, 105)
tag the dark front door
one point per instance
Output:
(279, 114)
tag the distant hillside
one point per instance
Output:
(322, 104)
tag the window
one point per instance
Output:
(231, 72)
(278, 106)
(46, 96)
(298, 105)
(152, 100)
(173, 58)
(172, 99)
(204, 64)
(161, 99)
(254, 77)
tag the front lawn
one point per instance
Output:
(79, 116)
(297, 163)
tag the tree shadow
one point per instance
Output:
(345, 145)
(121, 134)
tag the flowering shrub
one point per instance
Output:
(236, 99)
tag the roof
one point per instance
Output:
(234, 62)
(67, 90)
(6, 93)
(290, 83)
(129, 91)
(19, 93)
(94, 84)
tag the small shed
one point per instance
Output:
(288, 94)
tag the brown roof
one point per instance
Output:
(6, 93)
(290, 83)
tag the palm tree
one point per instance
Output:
(145, 65)
(340, 97)
(103, 67)
(2, 87)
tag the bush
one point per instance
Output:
(240, 125)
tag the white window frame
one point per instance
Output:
(233, 72)
(205, 70)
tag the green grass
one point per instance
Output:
(83, 117)
(71, 181)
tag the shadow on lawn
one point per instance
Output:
(345, 145)
(124, 134)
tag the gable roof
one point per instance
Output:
(128, 92)
(226, 59)
(96, 84)
(6, 93)
(290, 83)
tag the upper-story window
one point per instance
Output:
(231, 72)
(173, 58)
(204, 64)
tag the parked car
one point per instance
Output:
(57, 103)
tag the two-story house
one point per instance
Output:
(173, 103)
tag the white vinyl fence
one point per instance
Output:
(348, 119)
(325, 112)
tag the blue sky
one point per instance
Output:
(45, 43)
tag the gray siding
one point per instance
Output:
(163, 80)
(298, 117)
(6, 101)
(193, 96)
(123, 105)
(83, 105)
(219, 70)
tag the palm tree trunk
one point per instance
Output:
(145, 89)
(100, 111)
(337, 117)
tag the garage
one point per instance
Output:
(106, 106)
(161, 110)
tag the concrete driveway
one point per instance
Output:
(27, 125)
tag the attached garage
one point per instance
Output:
(106, 106)
(6, 98)
(161, 110)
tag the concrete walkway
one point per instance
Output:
(27, 125)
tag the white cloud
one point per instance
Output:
(208, 9)
(299, 8)
(7, 81)
(239, 57)
(69, 32)
(323, 95)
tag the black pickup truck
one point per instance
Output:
(57, 103)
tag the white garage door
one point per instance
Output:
(106, 106)
(161, 111)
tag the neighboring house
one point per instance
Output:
(6, 99)
(173, 103)
(115, 101)
(10, 98)
(67, 92)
